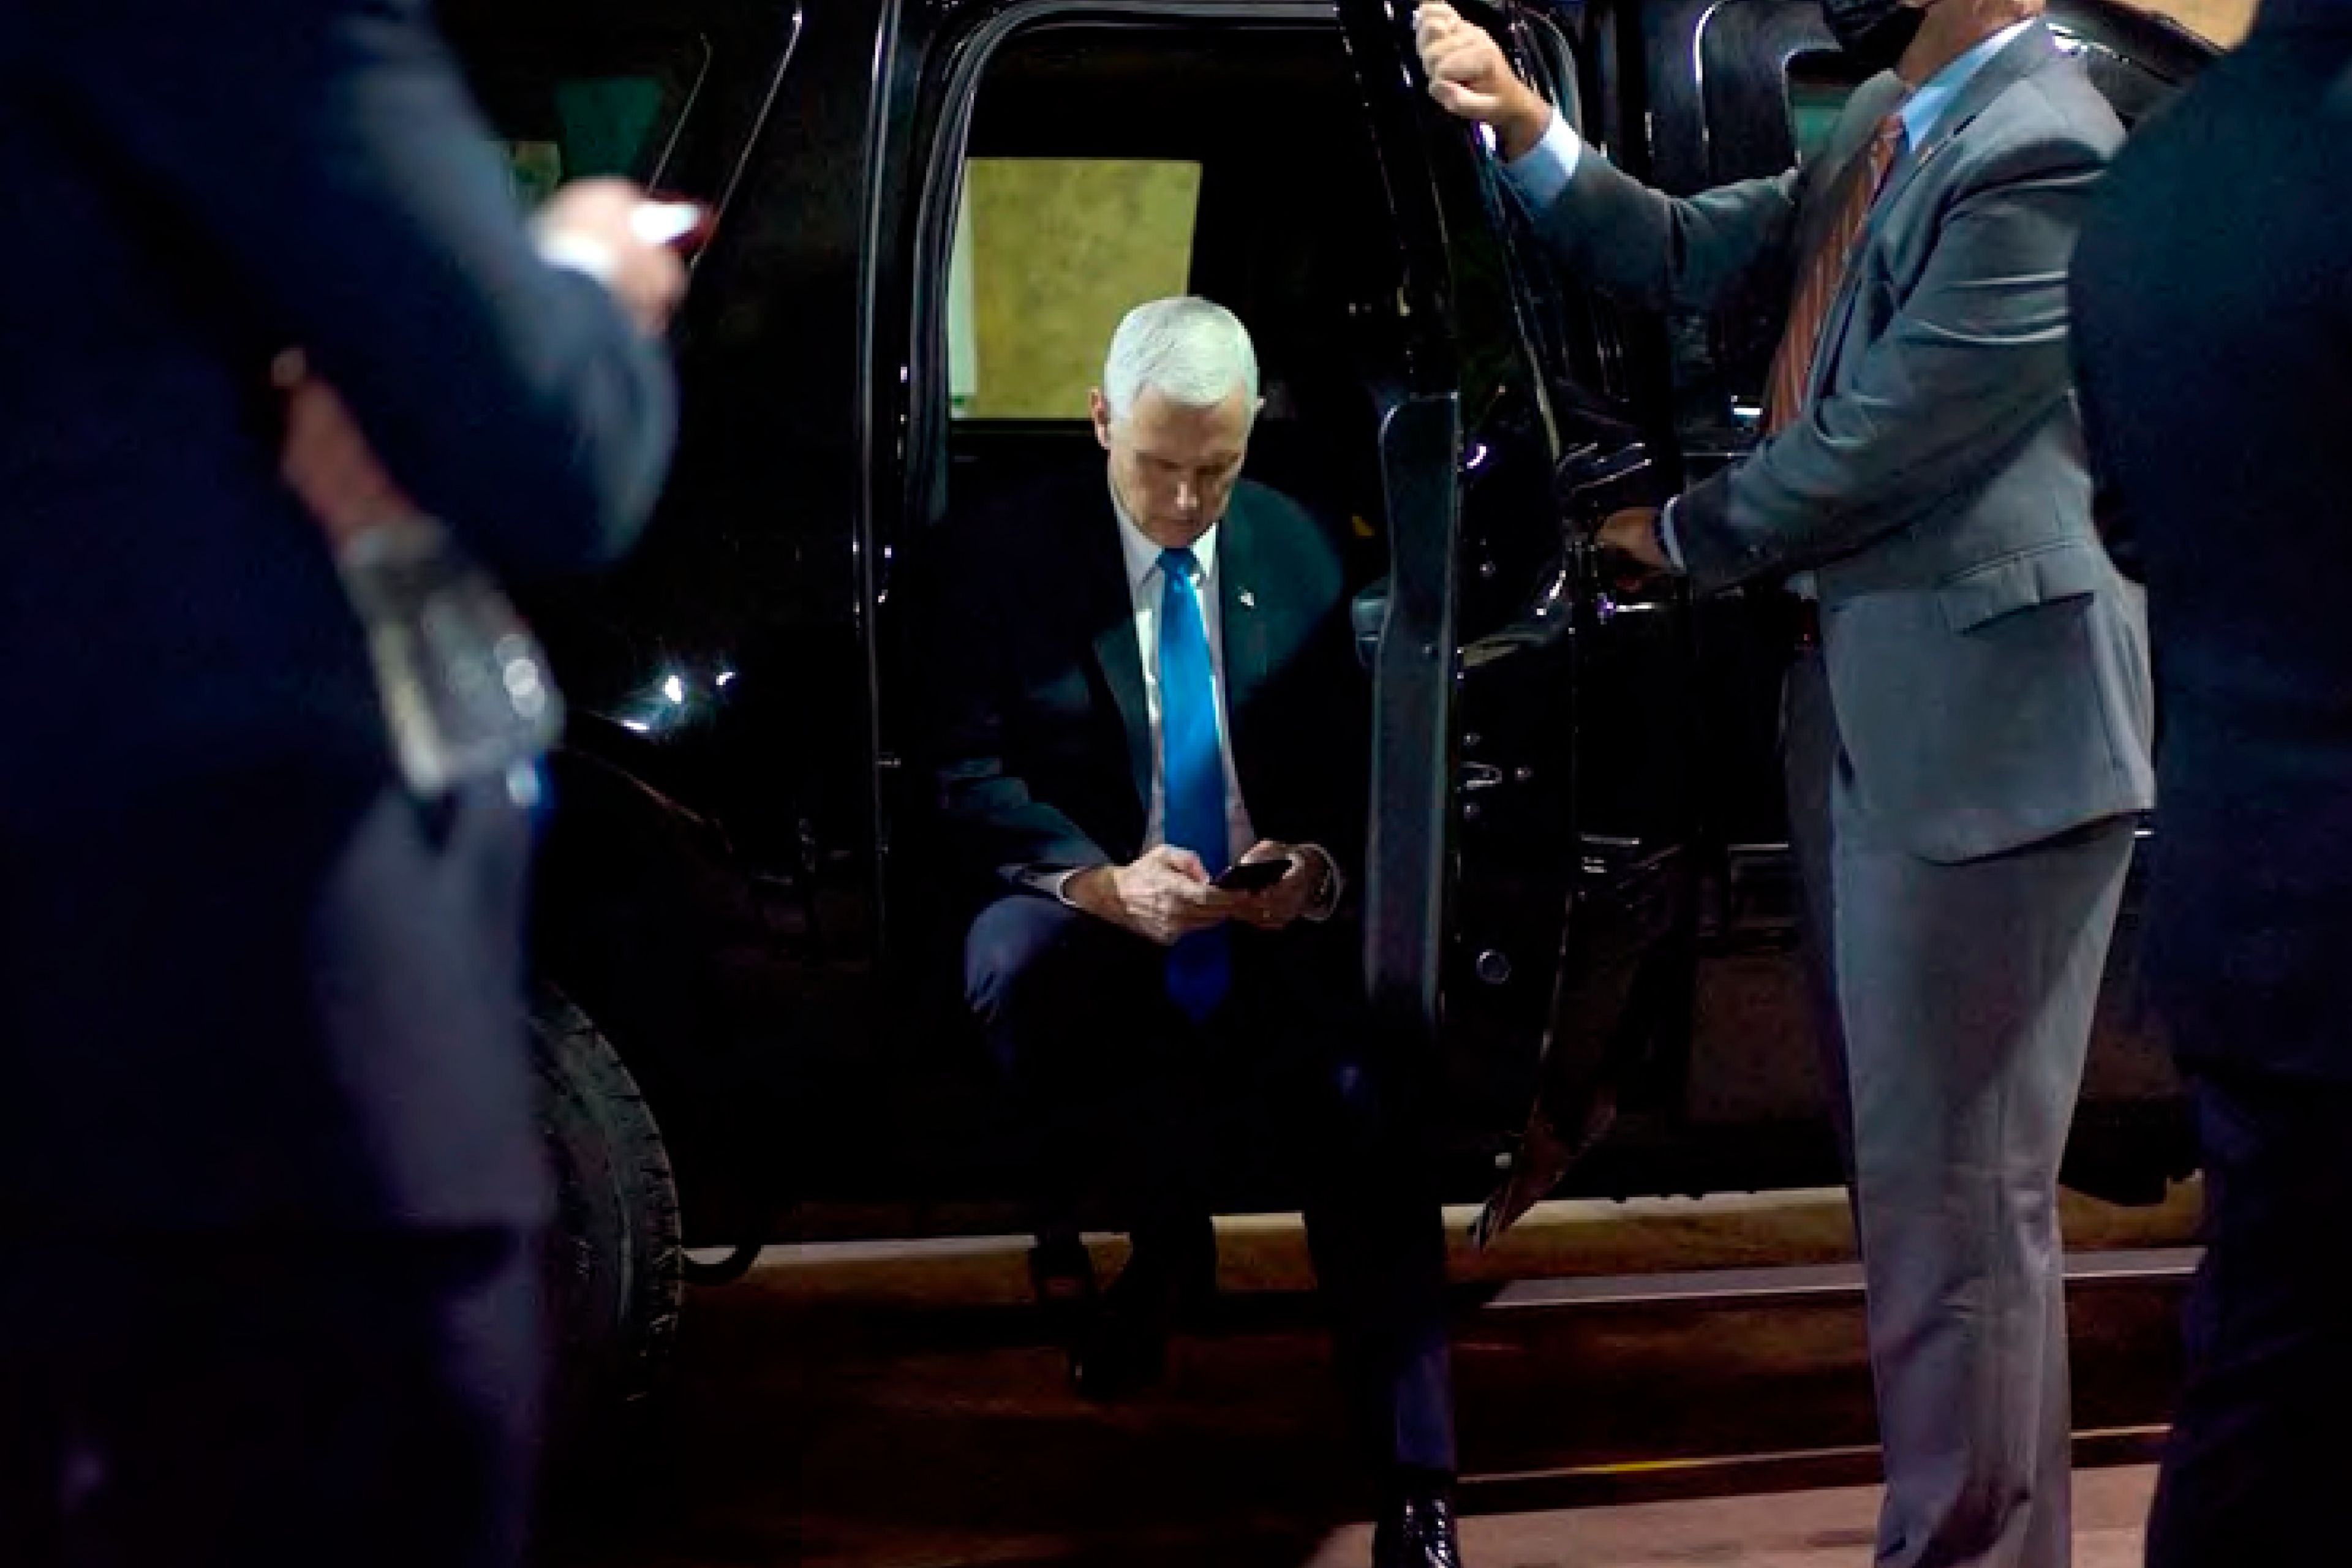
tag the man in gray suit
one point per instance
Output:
(1967, 743)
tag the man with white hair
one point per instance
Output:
(1149, 685)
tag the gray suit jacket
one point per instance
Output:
(1988, 664)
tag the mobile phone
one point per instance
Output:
(1254, 875)
(661, 220)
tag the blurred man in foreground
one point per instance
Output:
(2214, 333)
(269, 1186)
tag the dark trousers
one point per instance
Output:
(2258, 1463)
(1121, 1088)
(187, 1403)
(269, 1184)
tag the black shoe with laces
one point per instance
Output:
(1417, 1532)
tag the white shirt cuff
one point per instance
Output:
(1053, 884)
(1544, 170)
(1335, 892)
(1669, 537)
(576, 252)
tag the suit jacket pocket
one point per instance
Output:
(2043, 574)
(1973, 734)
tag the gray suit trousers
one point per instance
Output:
(1957, 1001)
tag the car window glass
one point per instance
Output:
(1096, 175)
(1049, 253)
(1818, 85)
(591, 107)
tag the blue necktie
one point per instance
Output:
(1192, 775)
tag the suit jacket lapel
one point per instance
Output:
(2027, 53)
(1840, 161)
(1121, 660)
(1244, 627)
(1822, 212)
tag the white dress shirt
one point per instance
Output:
(1543, 172)
(1145, 584)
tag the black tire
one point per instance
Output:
(613, 1276)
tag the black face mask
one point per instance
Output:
(1874, 32)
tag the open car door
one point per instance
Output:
(1527, 898)
(1406, 623)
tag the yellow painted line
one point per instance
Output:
(1737, 1461)
(1671, 1466)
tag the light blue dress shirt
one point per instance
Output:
(1542, 173)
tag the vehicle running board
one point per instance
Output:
(1731, 1287)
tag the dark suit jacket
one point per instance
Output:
(1043, 744)
(2214, 338)
(185, 189)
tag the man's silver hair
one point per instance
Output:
(1191, 352)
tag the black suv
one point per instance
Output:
(1579, 891)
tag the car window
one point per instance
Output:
(585, 106)
(1049, 253)
(1093, 176)
(1818, 85)
(594, 125)
(1819, 82)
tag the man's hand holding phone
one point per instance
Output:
(1286, 891)
(610, 230)
(1163, 896)
(1255, 876)
(1168, 894)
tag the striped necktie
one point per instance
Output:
(1824, 278)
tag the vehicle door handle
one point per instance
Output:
(1616, 586)
(1590, 485)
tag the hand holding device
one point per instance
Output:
(1254, 875)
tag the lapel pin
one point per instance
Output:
(1248, 599)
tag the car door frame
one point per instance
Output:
(1561, 952)
(1411, 760)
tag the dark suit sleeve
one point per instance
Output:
(1314, 724)
(970, 649)
(1343, 749)
(329, 152)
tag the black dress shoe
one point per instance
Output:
(1417, 1533)
(1171, 1278)
(1062, 1273)
(1125, 1349)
